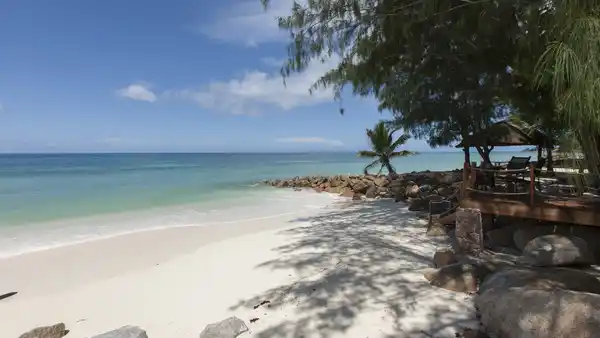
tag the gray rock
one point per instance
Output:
(124, 332)
(525, 312)
(228, 328)
(360, 186)
(443, 258)
(524, 234)
(372, 191)
(412, 190)
(381, 181)
(54, 331)
(455, 277)
(557, 250)
(436, 229)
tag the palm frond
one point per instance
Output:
(367, 153)
(400, 141)
(402, 153)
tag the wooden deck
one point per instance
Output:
(531, 203)
(567, 211)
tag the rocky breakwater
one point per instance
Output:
(416, 188)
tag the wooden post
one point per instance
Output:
(531, 184)
(465, 180)
(472, 175)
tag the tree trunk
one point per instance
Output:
(388, 165)
(590, 148)
(484, 152)
(467, 155)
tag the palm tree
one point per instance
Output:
(383, 147)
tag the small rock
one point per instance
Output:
(557, 250)
(228, 328)
(443, 258)
(55, 331)
(436, 229)
(124, 332)
(455, 277)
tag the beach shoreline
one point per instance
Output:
(175, 281)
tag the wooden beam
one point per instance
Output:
(540, 211)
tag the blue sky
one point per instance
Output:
(154, 75)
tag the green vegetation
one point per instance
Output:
(448, 68)
(383, 147)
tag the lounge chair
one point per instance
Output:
(516, 163)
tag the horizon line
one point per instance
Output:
(225, 152)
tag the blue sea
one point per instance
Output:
(54, 199)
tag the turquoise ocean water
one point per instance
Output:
(68, 197)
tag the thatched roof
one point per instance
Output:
(506, 134)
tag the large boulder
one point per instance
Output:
(455, 277)
(228, 328)
(124, 332)
(542, 279)
(360, 186)
(381, 181)
(526, 233)
(55, 331)
(446, 191)
(447, 178)
(372, 192)
(412, 190)
(540, 302)
(524, 312)
(557, 250)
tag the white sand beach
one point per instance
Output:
(346, 269)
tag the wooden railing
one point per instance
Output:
(471, 172)
(490, 176)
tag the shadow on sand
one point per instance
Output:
(358, 266)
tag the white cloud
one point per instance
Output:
(248, 23)
(312, 140)
(139, 92)
(249, 94)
